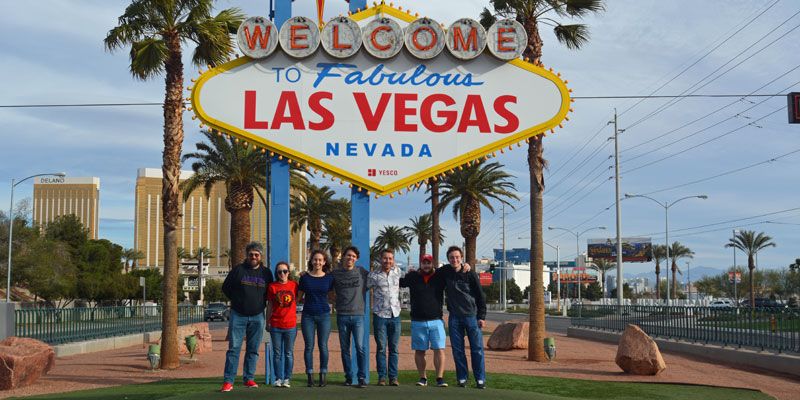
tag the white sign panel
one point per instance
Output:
(382, 124)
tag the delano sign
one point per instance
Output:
(388, 101)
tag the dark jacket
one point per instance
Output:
(247, 288)
(426, 298)
(464, 295)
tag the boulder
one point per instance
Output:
(509, 335)
(638, 354)
(23, 361)
(200, 330)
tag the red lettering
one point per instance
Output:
(263, 39)
(472, 40)
(250, 112)
(315, 103)
(295, 116)
(474, 114)
(401, 111)
(502, 39)
(371, 120)
(512, 122)
(429, 45)
(336, 44)
(373, 37)
(294, 37)
(426, 113)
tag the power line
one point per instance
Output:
(730, 172)
(724, 222)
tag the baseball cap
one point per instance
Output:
(427, 257)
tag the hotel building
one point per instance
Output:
(204, 223)
(57, 196)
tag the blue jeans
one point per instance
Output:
(352, 326)
(240, 326)
(467, 326)
(283, 352)
(322, 325)
(386, 329)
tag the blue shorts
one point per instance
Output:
(427, 335)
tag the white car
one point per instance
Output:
(722, 303)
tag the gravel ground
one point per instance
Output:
(576, 358)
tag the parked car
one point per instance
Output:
(218, 311)
(761, 302)
(722, 303)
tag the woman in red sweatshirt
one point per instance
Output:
(282, 296)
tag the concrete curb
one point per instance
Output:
(111, 343)
(780, 363)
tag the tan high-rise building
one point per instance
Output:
(204, 223)
(57, 196)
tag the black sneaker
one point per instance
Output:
(462, 383)
(440, 382)
(481, 385)
(361, 384)
(347, 382)
(422, 382)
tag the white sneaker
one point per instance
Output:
(286, 383)
(278, 383)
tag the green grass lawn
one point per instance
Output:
(501, 386)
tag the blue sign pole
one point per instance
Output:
(278, 182)
(359, 201)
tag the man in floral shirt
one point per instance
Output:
(385, 285)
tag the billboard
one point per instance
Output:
(738, 277)
(573, 278)
(381, 99)
(634, 249)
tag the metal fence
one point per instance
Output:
(774, 329)
(65, 325)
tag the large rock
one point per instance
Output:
(510, 335)
(23, 361)
(638, 354)
(200, 330)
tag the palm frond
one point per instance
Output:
(573, 36)
(148, 57)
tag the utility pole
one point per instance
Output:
(619, 215)
(689, 279)
(503, 269)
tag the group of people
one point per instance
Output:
(252, 288)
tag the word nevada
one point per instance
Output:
(383, 38)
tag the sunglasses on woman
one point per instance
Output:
(282, 271)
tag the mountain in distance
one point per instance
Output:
(696, 273)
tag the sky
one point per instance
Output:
(738, 151)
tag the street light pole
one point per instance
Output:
(577, 249)
(558, 274)
(619, 215)
(689, 279)
(735, 269)
(14, 184)
(666, 205)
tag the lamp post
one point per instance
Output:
(577, 248)
(735, 269)
(666, 205)
(14, 184)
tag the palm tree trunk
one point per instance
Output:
(316, 234)
(239, 203)
(658, 281)
(470, 228)
(536, 165)
(171, 169)
(751, 266)
(422, 246)
(435, 221)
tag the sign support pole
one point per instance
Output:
(360, 237)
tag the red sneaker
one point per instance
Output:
(226, 387)
(251, 384)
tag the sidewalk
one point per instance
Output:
(576, 358)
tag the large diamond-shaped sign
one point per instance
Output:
(381, 124)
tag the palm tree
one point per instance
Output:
(156, 30)
(243, 171)
(467, 189)
(676, 252)
(337, 233)
(750, 243)
(422, 228)
(310, 207)
(129, 258)
(394, 238)
(436, 229)
(659, 254)
(602, 266)
(530, 13)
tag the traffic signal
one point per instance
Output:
(492, 268)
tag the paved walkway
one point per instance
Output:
(576, 358)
